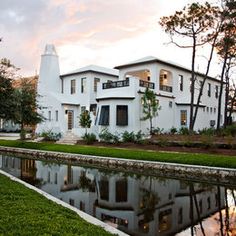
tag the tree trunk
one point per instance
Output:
(226, 118)
(192, 85)
(203, 82)
(221, 91)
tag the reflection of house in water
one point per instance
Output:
(24, 169)
(138, 205)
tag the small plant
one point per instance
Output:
(184, 131)
(108, 137)
(128, 137)
(139, 137)
(173, 130)
(157, 130)
(207, 131)
(230, 130)
(50, 136)
(162, 141)
(89, 138)
(85, 120)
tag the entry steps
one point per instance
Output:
(69, 138)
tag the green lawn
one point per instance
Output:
(183, 158)
(25, 212)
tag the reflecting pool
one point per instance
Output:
(135, 203)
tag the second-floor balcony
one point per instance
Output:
(115, 84)
(146, 84)
(166, 88)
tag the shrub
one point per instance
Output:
(108, 137)
(128, 137)
(89, 138)
(230, 130)
(173, 130)
(50, 136)
(157, 130)
(184, 131)
(207, 131)
(139, 137)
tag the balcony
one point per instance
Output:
(166, 88)
(146, 84)
(116, 84)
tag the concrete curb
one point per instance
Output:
(82, 214)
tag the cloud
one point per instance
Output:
(93, 26)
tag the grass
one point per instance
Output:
(25, 212)
(182, 158)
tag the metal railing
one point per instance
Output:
(166, 88)
(146, 84)
(115, 84)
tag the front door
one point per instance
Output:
(70, 119)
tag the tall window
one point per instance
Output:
(209, 90)
(121, 190)
(183, 117)
(56, 115)
(121, 115)
(49, 115)
(96, 81)
(83, 85)
(181, 82)
(72, 86)
(216, 91)
(104, 116)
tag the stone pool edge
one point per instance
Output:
(90, 219)
(127, 164)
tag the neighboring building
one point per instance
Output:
(114, 97)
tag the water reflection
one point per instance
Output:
(135, 204)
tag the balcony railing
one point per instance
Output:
(146, 84)
(116, 84)
(166, 88)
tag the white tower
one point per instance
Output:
(49, 73)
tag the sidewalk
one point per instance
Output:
(9, 136)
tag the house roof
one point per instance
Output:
(152, 59)
(93, 68)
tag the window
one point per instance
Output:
(104, 190)
(211, 109)
(83, 85)
(104, 116)
(121, 115)
(71, 202)
(214, 110)
(209, 90)
(181, 82)
(93, 108)
(183, 117)
(56, 115)
(180, 216)
(121, 190)
(83, 109)
(49, 115)
(96, 81)
(170, 104)
(203, 109)
(208, 203)
(207, 109)
(216, 91)
(55, 178)
(72, 86)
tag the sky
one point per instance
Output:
(84, 32)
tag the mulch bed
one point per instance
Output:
(155, 147)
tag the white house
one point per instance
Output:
(113, 96)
